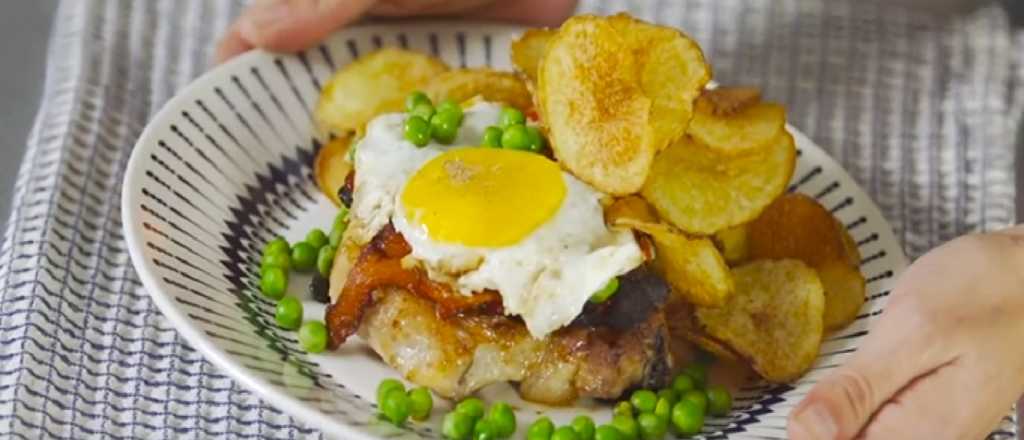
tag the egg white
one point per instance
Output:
(546, 278)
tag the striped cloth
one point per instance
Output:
(922, 109)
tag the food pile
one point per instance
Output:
(568, 226)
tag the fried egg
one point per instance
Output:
(483, 218)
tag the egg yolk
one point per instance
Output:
(484, 197)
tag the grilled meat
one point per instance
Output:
(456, 356)
(456, 344)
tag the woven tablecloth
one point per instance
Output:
(921, 108)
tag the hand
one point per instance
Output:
(291, 25)
(944, 361)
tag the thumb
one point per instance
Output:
(291, 25)
(839, 406)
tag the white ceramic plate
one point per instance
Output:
(226, 166)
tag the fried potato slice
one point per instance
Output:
(725, 121)
(727, 100)
(845, 293)
(692, 266)
(463, 84)
(774, 319)
(371, 85)
(713, 346)
(596, 112)
(629, 209)
(797, 226)
(527, 51)
(331, 167)
(702, 191)
(673, 74)
(733, 243)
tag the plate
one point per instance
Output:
(226, 165)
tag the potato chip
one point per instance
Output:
(331, 167)
(844, 293)
(774, 319)
(673, 74)
(728, 100)
(713, 346)
(746, 130)
(376, 83)
(463, 84)
(702, 191)
(597, 115)
(630, 208)
(852, 250)
(732, 242)
(692, 266)
(527, 51)
(797, 226)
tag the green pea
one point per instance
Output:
(422, 403)
(540, 429)
(503, 419)
(417, 131)
(687, 417)
(325, 259)
(472, 406)
(627, 426)
(511, 116)
(664, 408)
(288, 313)
(457, 426)
(313, 336)
(652, 427)
(416, 98)
(607, 432)
(584, 427)
(515, 137)
(423, 110)
(451, 108)
(444, 127)
(492, 137)
(699, 373)
(605, 292)
(303, 256)
(316, 237)
(683, 383)
(536, 139)
(565, 433)
(719, 401)
(282, 259)
(623, 408)
(644, 400)
(698, 397)
(484, 429)
(396, 406)
(387, 385)
(274, 282)
(276, 245)
(670, 394)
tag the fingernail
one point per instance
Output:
(264, 16)
(816, 423)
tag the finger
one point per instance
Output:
(231, 45)
(843, 402)
(934, 407)
(531, 12)
(291, 25)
